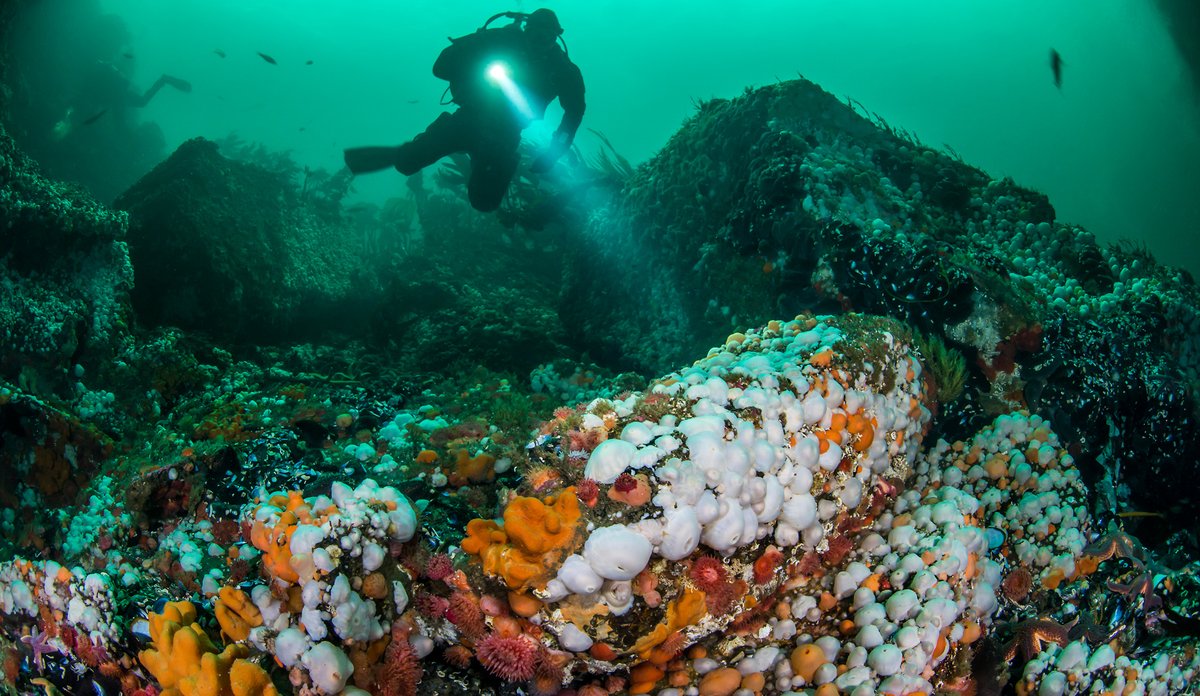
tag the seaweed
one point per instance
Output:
(946, 365)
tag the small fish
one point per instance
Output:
(1056, 65)
(309, 62)
(128, 56)
(219, 52)
(267, 58)
(414, 101)
(1139, 513)
(94, 117)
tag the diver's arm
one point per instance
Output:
(570, 96)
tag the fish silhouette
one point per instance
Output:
(1056, 65)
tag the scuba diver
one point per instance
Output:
(89, 130)
(106, 89)
(502, 80)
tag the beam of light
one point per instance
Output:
(499, 74)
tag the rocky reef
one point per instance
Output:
(66, 274)
(786, 199)
(771, 518)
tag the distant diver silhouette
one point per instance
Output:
(108, 90)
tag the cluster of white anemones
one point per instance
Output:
(85, 601)
(769, 415)
(342, 540)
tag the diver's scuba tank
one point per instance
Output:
(464, 76)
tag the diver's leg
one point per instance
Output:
(443, 137)
(144, 98)
(492, 170)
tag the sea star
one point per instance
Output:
(1142, 584)
(39, 643)
(1086, 627)
(1116, 543)
(1032, 635)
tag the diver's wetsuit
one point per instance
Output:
(487, 126)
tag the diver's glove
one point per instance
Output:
(558, 146)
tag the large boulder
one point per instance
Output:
(231, 249)
(768, 203)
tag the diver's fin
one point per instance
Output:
(364, 160)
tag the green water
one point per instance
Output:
(1117, 149)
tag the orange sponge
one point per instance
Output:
(467, 469)
(275, 541)
(236, 614)
(526, 550)
(685, 610)
(185, 662)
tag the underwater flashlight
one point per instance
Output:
(499, 74)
